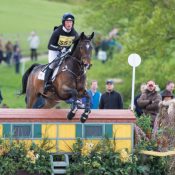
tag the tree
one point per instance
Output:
(146, 27)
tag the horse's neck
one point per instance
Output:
(76, 54)
(75, 61)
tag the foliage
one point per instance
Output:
(147, 28)
(17, 155)
(150, 145)
(154, 165)
(102, 158)
(144, 122)
(7, 166)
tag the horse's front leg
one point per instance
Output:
(87, 110)
(74, 106)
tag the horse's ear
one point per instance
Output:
(92, 35)
(82, 35)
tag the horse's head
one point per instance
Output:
(84, 49)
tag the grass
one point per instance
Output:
(18, 19)
(11, 85)
(21, 17)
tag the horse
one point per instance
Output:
(69, 81)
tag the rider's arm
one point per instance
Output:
(53, 42)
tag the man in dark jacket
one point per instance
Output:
(149, 100)
(60, 41)
(111, 99)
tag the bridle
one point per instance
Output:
(80, 62)
(84, 57)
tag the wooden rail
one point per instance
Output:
(60, 115)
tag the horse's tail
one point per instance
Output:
(25, 78)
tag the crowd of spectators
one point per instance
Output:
(11, 54)
(148, 101)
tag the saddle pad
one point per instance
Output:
(41, 75)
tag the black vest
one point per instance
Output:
(61, 39)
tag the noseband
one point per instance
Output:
(86, 43)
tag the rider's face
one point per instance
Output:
(68, 25)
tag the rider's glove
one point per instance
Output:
(63, 50)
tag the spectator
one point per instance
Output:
(138, 110)
(167, 95)
(94, 95)
(113, 33)
(16, 45)
(165, 121)
(9, 52)
(1, 51)
(111, 99)
(169, 87)
(17, 56)
(34, 43)
(149, 101)
(1, 98)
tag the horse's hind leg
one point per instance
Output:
(31, 99)
(40, 102)
(87, 110)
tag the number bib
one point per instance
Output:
(65, 40)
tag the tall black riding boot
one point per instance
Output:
(47, 83)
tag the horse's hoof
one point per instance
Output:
(70, 115)
(83, 118)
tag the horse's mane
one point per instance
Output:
(75, 43)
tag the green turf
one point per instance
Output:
(20, 17)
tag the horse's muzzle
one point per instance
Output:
(88, 66)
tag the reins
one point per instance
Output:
(81, 68)
(68, 55)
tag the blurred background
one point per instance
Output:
(121, 27)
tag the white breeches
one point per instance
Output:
(52, 55)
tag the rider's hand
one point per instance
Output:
(63, 50)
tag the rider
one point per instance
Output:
(60, 41)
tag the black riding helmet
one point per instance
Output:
(67, 17)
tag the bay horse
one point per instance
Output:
(69, 81)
